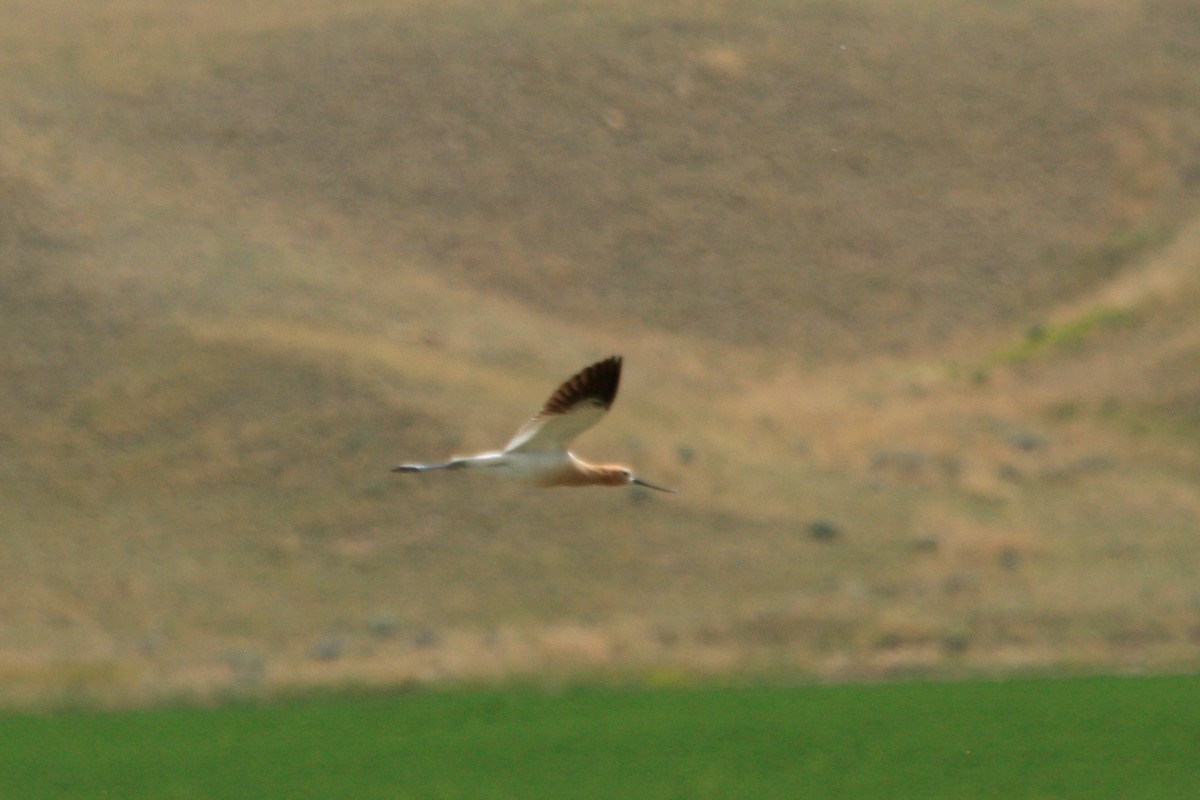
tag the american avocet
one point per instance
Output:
(538, 453)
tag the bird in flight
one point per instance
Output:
(538, 452)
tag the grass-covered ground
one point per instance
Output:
(1031, 738)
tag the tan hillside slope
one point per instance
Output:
(831, 179)
(906, 296)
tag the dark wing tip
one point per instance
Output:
(595, 384)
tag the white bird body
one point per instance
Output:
(538, 453)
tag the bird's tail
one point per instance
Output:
(451, 464)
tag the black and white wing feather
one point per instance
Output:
(573, 408)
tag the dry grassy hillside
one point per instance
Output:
(906, 292)
(749, 177)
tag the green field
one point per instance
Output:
(1029, 738)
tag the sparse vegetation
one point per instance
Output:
(1041, 339)
(251, 254)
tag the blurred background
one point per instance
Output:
(907, 294)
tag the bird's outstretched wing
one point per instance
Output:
(576, 406)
